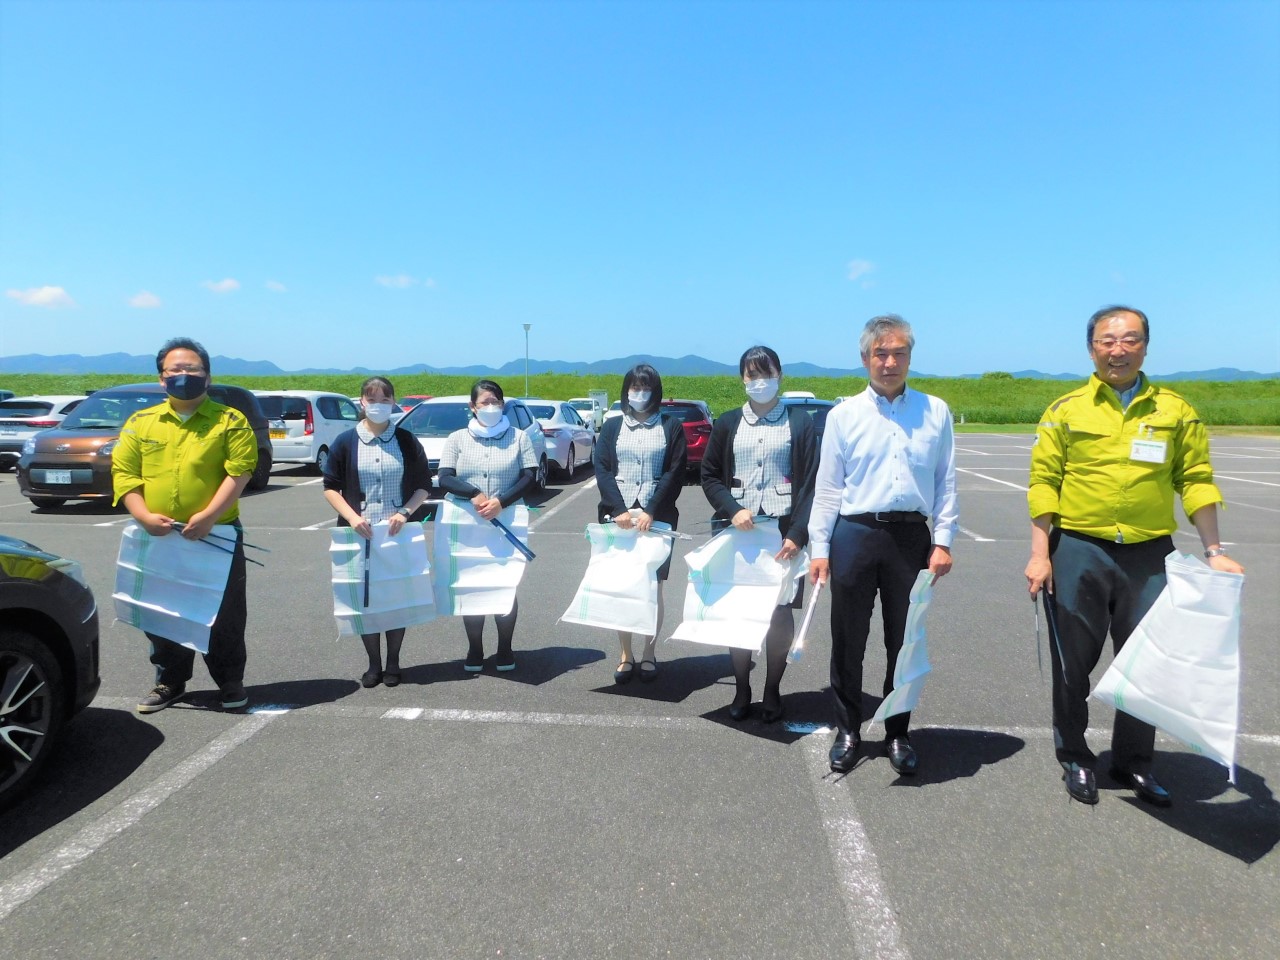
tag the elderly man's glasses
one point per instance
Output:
(181, 369)
(1127, 343)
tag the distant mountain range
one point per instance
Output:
(690, 366)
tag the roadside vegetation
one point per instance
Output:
(994, 398)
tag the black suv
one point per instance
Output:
(48, 656)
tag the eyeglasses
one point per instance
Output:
(178, 371)
(1128, 343)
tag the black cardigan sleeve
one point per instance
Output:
(804, 474)
(717, 465)
(605, 462)
(674, 462)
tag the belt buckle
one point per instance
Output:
(885, 519)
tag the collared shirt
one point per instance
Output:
(881, 455)
(490, 464)
(381, 467)
(1111, 473)
(762, 462)
(180, 464)
(641, 449)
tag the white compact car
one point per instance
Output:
(570, 442)
(304, 423)
(23, 417)
(433, 420)
(590, 410)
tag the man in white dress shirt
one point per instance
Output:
(887, 468)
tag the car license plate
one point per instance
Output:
(8, 431)
(57, 476)
(277, 434)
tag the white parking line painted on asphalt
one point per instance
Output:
(114, 523)
(974, 536)
(322, 525)
(981, 453)
(115, 822)
(873, 925)
(1252, 506)
(549, 719)
(310, 483)
(974, 473)
(542, 518)
(1223, 476)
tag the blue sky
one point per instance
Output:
(387, 183)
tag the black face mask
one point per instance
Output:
(186, 386)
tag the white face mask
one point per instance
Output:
(377, 412)
(488, 416)
(763, 390)
(639, 399)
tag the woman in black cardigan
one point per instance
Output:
(762, 460)
(377, 472)
(640, 462)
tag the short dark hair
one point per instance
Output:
(182, 343)
(1106, 313)
(481, 385)
(759, 358)
(380, 383)
(640, 376)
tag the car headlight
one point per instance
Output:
(29, 447)
(106, 448)
(71, 569)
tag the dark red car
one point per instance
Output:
(695, 417)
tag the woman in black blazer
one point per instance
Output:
(762, 460)
(640, 462)
(377, 472)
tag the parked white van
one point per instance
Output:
(304, 423)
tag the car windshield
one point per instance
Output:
(542, 411)
(24, 408)
(683, 412)
(436, 419)
(109, 411)
(582, 405)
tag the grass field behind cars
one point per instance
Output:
(991, 399)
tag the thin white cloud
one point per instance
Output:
(275, 286)
(859, 268)
(144, 300)
(222, 286)
(429, 283)
(48, 297)
(399, 281)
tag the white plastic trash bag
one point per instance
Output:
(171, 586)
(398, 592)
(1180, 668)
(477, 569)
(913, 666)
(735, 584)
(619, 590)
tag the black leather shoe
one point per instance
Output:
(844, 752)
(1144, 785)
(902, 756)
(371, 678)
(740, 709)
(771, 706)
(1081, 785)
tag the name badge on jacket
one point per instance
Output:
(1148, 451)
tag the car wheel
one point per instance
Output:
(47, 503)
(261, 473)
(571, 463)
(322, 458)
(32, 706)
(540, 479)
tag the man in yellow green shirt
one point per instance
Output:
(1107, 460)
(187, 460)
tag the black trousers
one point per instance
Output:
(226, 657)
(1100, 587)
(869, 559)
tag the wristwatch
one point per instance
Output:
(405, 512)
(1215, 552)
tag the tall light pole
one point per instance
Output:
(526, 358)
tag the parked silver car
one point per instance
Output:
(24, 417)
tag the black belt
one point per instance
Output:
(887, 516)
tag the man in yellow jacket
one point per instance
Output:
(1107, 460)
(186, 461)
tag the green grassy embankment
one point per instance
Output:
(989, 402)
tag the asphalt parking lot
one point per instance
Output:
(550, 813)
